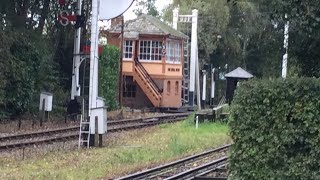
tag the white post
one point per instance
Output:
(198, 81)
(285, 56)
(213, 84)
(175, 18)
(193, 55)
(197, 122)
(93, 64)
(204, 84)
(75, 87)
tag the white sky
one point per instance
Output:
(129, 14)
(160, 4)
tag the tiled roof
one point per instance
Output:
(146, 24)
(239, 73)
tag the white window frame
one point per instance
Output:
(148, 48)
(125, 52)
(173, 52)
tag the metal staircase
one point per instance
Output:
(146, 83)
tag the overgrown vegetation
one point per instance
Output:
(27, 70)
(109, 75)
(36, 50)
(125, 153)
(275, 127)
(250, 34)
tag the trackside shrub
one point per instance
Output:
(275, 127)
(109, 75)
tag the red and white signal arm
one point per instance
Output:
(64, 17)
(112, 8)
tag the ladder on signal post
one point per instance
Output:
(84, 133)
(185, 80)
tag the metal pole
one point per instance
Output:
(204, 86)
(198, 81)
(75, 87)
(175, 18)
(213, 85)
(93, 65)
(193, 55)
(285, 56)
(197, 122)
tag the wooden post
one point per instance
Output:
(42, 113)
(120, 65)
(96, 132)
(100, 140)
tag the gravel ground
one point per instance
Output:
(43, 137)
(10, 127)
(109, 139)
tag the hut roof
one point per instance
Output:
(239, 73)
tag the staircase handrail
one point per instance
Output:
(148, 77)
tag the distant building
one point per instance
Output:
(152, 62)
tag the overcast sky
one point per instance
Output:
(160, 4)
(129, 14)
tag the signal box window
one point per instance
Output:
(128, 49)
(173, 52)
(150, 50)
(129, 90)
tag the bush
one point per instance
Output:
(275, 127)
(109, 75)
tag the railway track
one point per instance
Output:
(187, 168)
(218, 173)
(72, 133)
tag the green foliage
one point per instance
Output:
(275, 128)
(27, 71)
(109, 75)
(35, 55)
(147, 7)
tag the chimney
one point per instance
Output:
(117, 21)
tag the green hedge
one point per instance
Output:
(275, 127)
(109, 76)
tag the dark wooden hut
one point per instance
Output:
(233, 78)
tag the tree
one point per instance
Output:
(146, 7)
(36, 54)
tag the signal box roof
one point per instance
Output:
(239, 73)
(147, 25)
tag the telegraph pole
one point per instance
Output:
(285, 45)
(75, 88)
(193, 55)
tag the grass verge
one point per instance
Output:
(125, 153)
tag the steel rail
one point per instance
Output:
(38, 133)
(76, 135)
(148, 172)
(76, 128)
(217, 169)
(192, 173)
